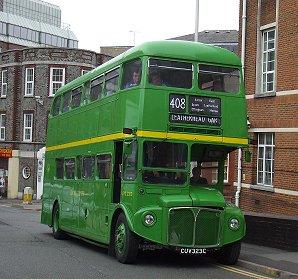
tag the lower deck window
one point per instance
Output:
(60, 168)
(104, 166)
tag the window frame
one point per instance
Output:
(128, 69)
(26, 172)
(67, 168)
(262, 168)
(107, 161)
(74, 97)
(4, 86)
(93, 158)
(94, 83)
(27, 82)
(2, 126)
(29, 128)
(61, 160)
(110, 77)
(160, 68)
(52, 82)
(219, 74)
(265, 54)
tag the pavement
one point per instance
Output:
(273, 262)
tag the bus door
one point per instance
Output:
(117, 171)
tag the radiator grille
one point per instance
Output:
(194, 227)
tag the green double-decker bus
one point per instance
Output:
(136, 152)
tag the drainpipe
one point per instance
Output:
(243, 36)
(237, 195)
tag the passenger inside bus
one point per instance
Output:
(135, 80)
(155, 78)
(196, 178)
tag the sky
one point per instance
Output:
(99, 23)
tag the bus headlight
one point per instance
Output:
(234, 224)
(149, 219)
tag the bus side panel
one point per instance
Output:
(67, 204)
(47, 196)
(47, 205)
(234, 117)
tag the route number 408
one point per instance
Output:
(178, 103)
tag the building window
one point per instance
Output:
(3, 83)
(28, 126)
(226, 170)
(2, 126)
(84, 72)
(265, 167)
(26, 172)
(268, 68)
(57, 77)
(29, 79)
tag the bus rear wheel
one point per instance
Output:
(57, 232)
(229, 253)
(125, 241)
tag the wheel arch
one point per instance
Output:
(120, 209)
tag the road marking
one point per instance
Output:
(242, 272)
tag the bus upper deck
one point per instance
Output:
(201, 86)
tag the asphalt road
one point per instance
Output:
(28, 250)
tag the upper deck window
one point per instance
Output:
(56, 106)
(170, 73)
(132, 72)
(111, 82)
(76, 97)
(66, 101)
(219, 79)
(96, 88)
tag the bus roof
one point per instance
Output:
(170, 49)
(184, 50)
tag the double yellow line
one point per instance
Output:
(242, 272)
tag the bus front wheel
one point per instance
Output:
(229, 253)
(125, 241)
(57, 232)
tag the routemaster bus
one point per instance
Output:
(136, 152)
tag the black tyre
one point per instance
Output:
(57, 232)
(229, 254)
(126, 243)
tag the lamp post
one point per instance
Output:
(134, 36)
(197, 22)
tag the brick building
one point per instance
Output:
(29, 78)
(269, 194)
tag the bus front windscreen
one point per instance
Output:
(164, 163)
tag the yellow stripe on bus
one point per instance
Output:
(160, 135)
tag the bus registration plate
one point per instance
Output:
(193, 251)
